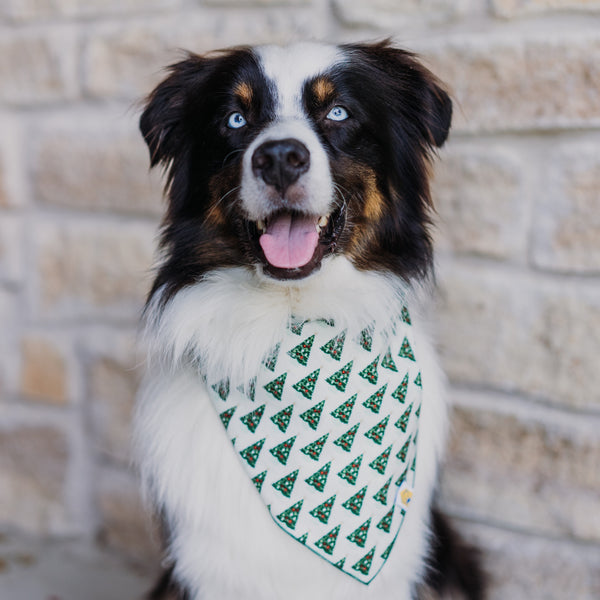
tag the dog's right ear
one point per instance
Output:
(162, 120)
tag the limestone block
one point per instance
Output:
(479, 197)
(566, 234)
(96, 168)
(515, 334)
(510, 9)
(44, 371)
(521, 83)
(33, 468)
(525, 472)
(38, 68)
(87, 268)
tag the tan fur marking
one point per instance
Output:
(323, 89)
(373, 209)
(244, 92)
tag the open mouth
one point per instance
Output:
(291, 244)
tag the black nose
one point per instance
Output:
(281, 162)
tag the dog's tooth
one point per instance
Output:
(323, 221)
(261, 225)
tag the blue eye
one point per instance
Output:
(338, 113)
(236, 120)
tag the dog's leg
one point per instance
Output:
(167, 588)
(454, 567)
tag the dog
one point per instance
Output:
(293, 417)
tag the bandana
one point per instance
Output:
(327, 432)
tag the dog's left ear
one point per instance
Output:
(409, 91)
(438, 110)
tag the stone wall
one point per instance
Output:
(518, 195)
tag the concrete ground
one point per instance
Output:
(33, 569)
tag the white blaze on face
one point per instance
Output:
(287, 69)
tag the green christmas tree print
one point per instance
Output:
(380, 463)
(386, 522)
(387, 551)
(359, 535)
(381, 495)
(340, 563)
(327, 542)
(289, 517)
(323, 511)
(364, 564)
(388, 362)
(312, 416)
(252, 419)
(406, 316)
(314, 449)
(222, 388)
(259, 480)
(350, 472)
(406, 350)
(354, 503)
(340, 378)
(303, 539)
(250, 454)
(418, 381)
(346, 440)
(275, 387)
(301, 352)
(329, 322)
(248, 390)
(226, 416)
(282, 451)
(344, 411)
(366, 337)
(402, 422)
(282, 418)
(296, 326)
(370, 372)
(400, 392)
(318, 480)
(286, 484)
(373, 402)
(271, 359)
(402, 478)
(403, 451)
(377, 432)
(307, 385)
(335, 346)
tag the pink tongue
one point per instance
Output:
(290, 241)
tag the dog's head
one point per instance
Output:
(280, 157)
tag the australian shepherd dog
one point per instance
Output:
(293, 417)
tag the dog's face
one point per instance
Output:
(278, 158)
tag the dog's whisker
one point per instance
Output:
(232, 153)
(231, 191)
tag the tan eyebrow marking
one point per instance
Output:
(244, 92)
(323, 89)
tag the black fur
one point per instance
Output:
(454, 567)
(167, 588)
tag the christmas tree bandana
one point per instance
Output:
(327, 432)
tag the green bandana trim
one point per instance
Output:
(327, 433)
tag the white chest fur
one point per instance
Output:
(224, 543)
